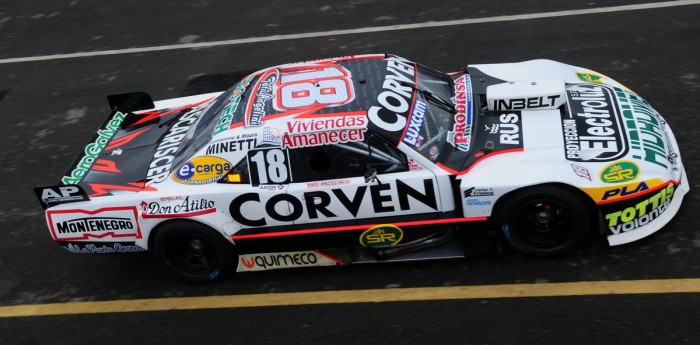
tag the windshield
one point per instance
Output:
(216, 118)
(433, 112)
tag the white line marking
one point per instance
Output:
(358, 31)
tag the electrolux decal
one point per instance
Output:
(159, 169)
(641, 212)
(202, 170)
(647, 136)
(80, 225)
(593, 126)
(185, 208)
(460, 135)
(227, 115)
(94, 148)
(415, 124)
(268, 261)
(381, 196)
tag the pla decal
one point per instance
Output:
(647, 136)
(460, 135)
(640, 213)
(202, 170)
(618, 172)
(593, 127)
(270, 261)
(185, 208)
(159, 169)
(82, 225)
(227, 115)
(415, 124)
(94, 149)
(607, 194)
(381, 236)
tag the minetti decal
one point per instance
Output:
(80, 225)
(269, 261)
(94, 149)
(460, 135)
(227, 146)
(187, 207)
(593, 127)
(159, 168)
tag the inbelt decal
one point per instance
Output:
(525, 103)
(381, 236)
(395, 99)
(315, 204)
(80, 225)
(641, 213)
(593, 127)
(647, 136)
(94, 149)
(460, 135)
(413, 136)
(159, 169)
(269, 261)
(202, 170)
(621, 171)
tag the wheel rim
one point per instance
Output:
(191, 254)
(545, 224)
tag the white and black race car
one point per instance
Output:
(369, 158)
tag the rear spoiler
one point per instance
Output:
(121, 105)
(54, 195)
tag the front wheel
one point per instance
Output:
(544, 220)
(194, 251)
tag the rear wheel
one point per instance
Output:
(194, 251)
(545, 220)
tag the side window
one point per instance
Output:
(345, 160)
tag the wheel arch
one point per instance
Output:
(152, 234)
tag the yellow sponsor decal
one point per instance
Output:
(620, 191)
(620, 171)
(381, 235)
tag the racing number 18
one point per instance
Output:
(313, 85)
(268, 166)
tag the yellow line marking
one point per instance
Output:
(623, 287)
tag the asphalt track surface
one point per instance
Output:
(49, 109)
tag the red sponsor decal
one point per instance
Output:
(117, 142)
(80, 225)
(100, 189)
(105, 165)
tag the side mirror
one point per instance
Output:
(371, 174)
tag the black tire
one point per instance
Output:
(194, 251)
(544, 220)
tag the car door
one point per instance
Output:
(356, 183)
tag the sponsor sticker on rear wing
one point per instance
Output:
(94, 148)
(56, 195)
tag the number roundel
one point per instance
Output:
(316, 85)
(268, 166)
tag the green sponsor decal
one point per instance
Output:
(621, 171)
(590, 77)
(647, 137)
(381, 236)
(93, 149)
(235, 99)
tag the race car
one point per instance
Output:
(369, 158)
